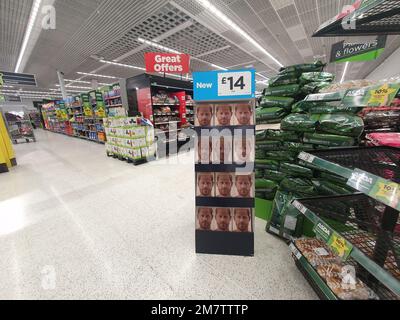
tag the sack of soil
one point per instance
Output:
(274, 101)
(294, 170)
(341, 124)
(308, 77)
(269, 145)
(297, 146)
(283, 79)
(299, 123)
(277, 135)
(281, 155)
(291, 90)
(328, 140)
(274, 175)
(300, 187)
(302, 68)
(270, 113)
(267, 164)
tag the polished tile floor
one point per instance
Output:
(75, 224)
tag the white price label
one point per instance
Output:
(306, 157)
(235, 83)
(296, 252)
(321, 252)
(299, 207)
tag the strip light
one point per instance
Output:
(87, 82)
(212, 9)
(77, 87)
(344, 72)
(96, 75)
(29, 28)
(121, 64)
(156, 45)
(23, 91)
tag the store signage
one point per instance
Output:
(167, 62)
(86, 104)
(222, 85)
(383, 190)
(360, 51)
(22, 79)
(225, 156)
(375, 96)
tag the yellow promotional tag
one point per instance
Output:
(380, 96)
(389, 191)
(340, 246)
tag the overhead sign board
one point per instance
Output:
(359, 51)
(224, 85)
(12, 78)
(167, 62)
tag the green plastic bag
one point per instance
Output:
(302, 68)
(266, 195)
(270, 113)
(283, 79)
(313, 87)
(329, 140)
(341, 124)
(266, 185)
(328, 188)
(271, 121)
(295, 170)
(274, 175)
(308, 77)
(290, 90)
(281, 155)
(269, 145)
(301, 187)
(260, 154)
(332, 107)
(281, 102)
(279, 135)
(259, 173)
(286, 221)
(299, 123)
(297, 146)
(267, 164)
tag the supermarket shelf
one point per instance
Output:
(375, 165)
(112, 98)
(357, 218)
(168, 122)
(317, 283)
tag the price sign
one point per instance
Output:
(295, 251)
(234, 83)
(299, 207)
(340, 246)
(307, 157)
(224, 85)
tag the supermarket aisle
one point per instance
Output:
(75, 224)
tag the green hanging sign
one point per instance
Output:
(86, 105)
(375, 96)
(360, 51)
(100, 105)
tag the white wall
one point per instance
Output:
(388, 69)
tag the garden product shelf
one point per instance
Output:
(359, 221)
(371, 18)
(374, 171)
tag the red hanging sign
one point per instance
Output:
(167, 62)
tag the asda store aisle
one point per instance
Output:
(75, 224)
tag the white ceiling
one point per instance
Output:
(110, 29)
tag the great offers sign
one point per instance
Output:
(360, 51)
(167, 62)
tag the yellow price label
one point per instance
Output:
(380, 96)
(389, 191)
(340, 246)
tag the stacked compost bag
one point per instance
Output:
(290, 85)
(319, 121)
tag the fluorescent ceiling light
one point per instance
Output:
(77, 87)
(31, 23)
(87, 82)
(262, 76)
(218, 67)
(212, 9)
(6, 86)
(158, 46)
(344, 72)
(122, 65)
(68, 90)
(96, 75)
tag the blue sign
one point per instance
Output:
(224, 85)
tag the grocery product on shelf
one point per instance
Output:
(129, 140)
(391, 139)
